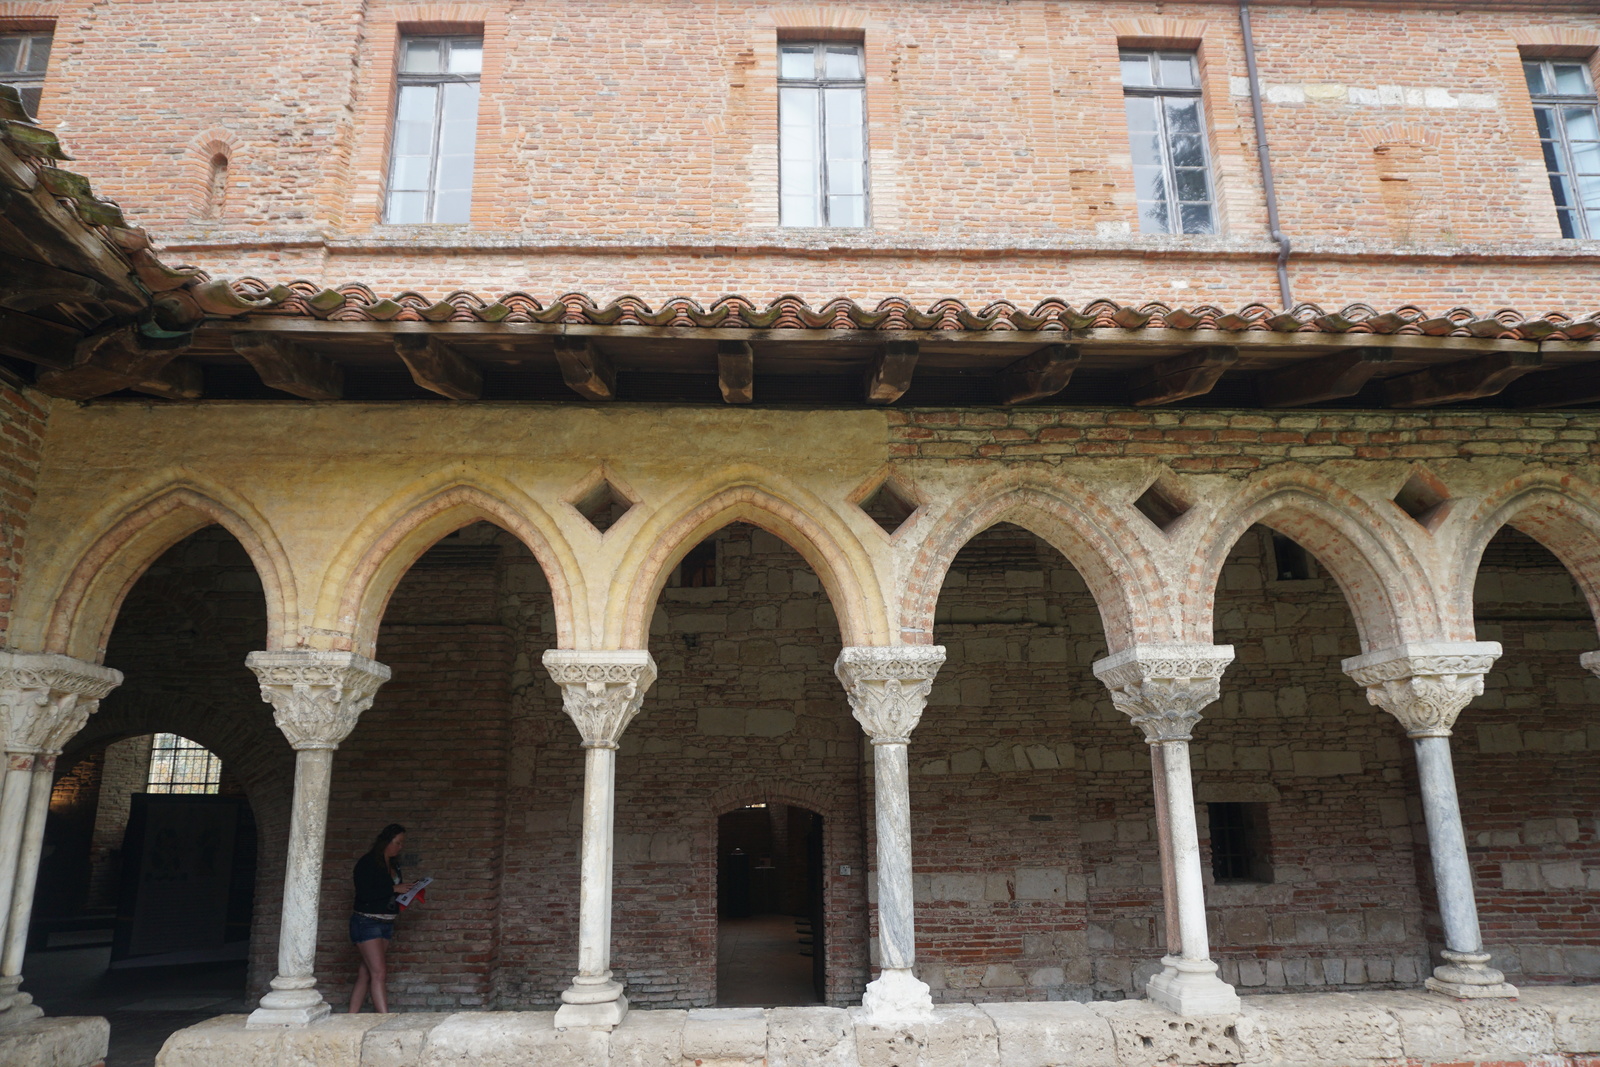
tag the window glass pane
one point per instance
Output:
(846, 177)
(407, 207)
(39, 54)
(1187, 151)
(30, 97)
(1552, 160)
(1196, 218)
(1177, 70)
(797, 211)
(1571, 79)
(1561, 190)
(1141, 114)
(422, 57)
(1146, 147)
(1589, 189)
(1149, 183)
(1580, 123)
(1183, 114)
(453, 207)
(455, 173)
(1568, 226)
(841, 63)
(796, 176)
(10, 53)
(411, 172)
(1136, 69)
(797, 63)
(459, 131)
(1586, 158)
(797, 108)
(1191, 184)
(843, 109)
(1594, 222)
(466, 57)
(1534, 73)
(847, 211)
(1153, 217)
(1544, 118)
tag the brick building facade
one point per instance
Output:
(1231, 483)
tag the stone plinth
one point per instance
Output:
(74, 1041)
(1548, 1025)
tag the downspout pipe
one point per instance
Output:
(1265, 155)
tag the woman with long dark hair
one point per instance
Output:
(372, 920)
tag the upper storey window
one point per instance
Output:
(435, 130)
(822, 135)
(1564, 107)
(23, 59)
(1171, 175)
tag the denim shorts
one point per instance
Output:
(365, 929)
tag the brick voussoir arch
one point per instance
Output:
(773, 791)
(119, 546)
(1559, 511)
(794, 515)
(1389, 591)
(365, 571)
(1094, 537)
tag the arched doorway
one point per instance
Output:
(770, 921)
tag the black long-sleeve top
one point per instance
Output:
(374, 887)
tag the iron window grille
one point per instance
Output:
(1564, 109)
(822, 134)
(435, 130)
(23, 59)
(179, 765)
(1171, 164)
(1241, 850)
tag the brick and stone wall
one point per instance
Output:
(23, 419)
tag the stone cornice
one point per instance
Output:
(1162, 688)
(888, 686)
(601, 691)
(317, 697)
(1425, 685)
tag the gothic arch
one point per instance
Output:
(366, 570)
(1093, 537)
(1387, 589)
(1557, 510)
(83, 606)
(786, 512)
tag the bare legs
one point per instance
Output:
(371, 976)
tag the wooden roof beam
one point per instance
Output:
(290, 368)
(1468, 379)
(37, 340)
(1191, 374)
(110, 363)
(25, 285)
(889, 376)
(585, 369)
(1323, 378)
(437, 367)
(736, 371)
(1038, 374)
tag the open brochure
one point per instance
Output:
(406, 899)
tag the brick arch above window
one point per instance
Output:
(1159, 32)
(1401, 133)
(207, 193)
(1555, 42)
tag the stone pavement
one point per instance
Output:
(1548, 1027)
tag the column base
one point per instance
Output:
(1191, 987)
(293, 1003)
(1467, 976)
(265, 1018)
(19, 1008)
(595, 1003)
(897, 996)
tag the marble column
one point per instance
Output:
(316, 698)
(45, 699)
(1162, 688)
(888, 688)
(601, 692)
(1426, 685)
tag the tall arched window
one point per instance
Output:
(216, 188)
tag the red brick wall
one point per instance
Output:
(22, 425)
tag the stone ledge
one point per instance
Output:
(64, 1042)
(1549, 1026)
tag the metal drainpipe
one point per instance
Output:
(1262, 151)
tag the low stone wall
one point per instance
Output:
(1547, 1027)
(65, 1042)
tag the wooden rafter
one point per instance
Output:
(585, 369)
(1322, 378)
(1468, 379)
(110, 363)
(1191, 374)
(289, 367)
(889, 375)
(437, 367)
(1038, 374)
(736, 371)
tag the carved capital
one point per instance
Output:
(1162, 688)
(45, 698)
(601, 691)
(888, 686)
(317, 697)
(1424, 684)
(1591, 662)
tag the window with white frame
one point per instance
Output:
(1564, 109)
(822, 134)
(435, 130)
(1171, 171)
(23, 59)
(178, 765)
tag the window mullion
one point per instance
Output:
(436, 169)
(822, 155)
(1169, 169)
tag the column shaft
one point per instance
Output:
(892, 800)
(1447, 843)
(302, 880)
(594, 907)
(16, 943)
(14, 792)
(1169, 883)
(1185, 850)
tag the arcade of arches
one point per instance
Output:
(929, 666)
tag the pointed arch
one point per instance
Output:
(121, 545)
(1072, 519)
(1386, 587)
(364, 573)
(787, 512)
(1559, 511)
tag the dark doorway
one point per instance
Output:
(769, 907)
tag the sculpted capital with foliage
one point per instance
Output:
(601, 691)
(317, 697)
